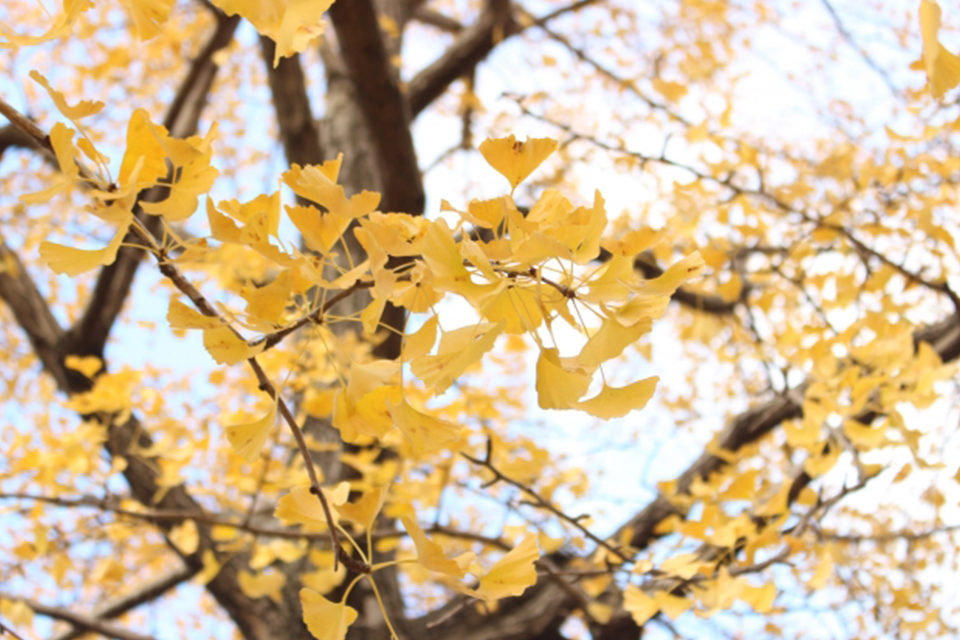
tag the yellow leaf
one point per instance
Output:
(191, 177)
(516, 160)
(600, 612)
(262, 584)
(320, 230)
(488, 213)
(943, 67)
(614, 402)
(425, 433)
(364, 511)
(760, 598)
(301, 507)
(73, 262)
(458, 350)
(641, 606)
(558, 387)
(87, 365)
(210, 567)
(429, 553)
(143, 144)
(248, 439)
(418, 344)
(180, 316)
(184, 537)
(225, 347)
(82, 109)
(148, 15)
(609, 342)
(268, 303)
(671, 605)
(512, 574)
(326, 620)
(61, 138)
(59, 28)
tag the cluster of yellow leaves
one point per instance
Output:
(523, 272)
(292, 24)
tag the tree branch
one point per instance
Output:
(85, 622)
(141, 595)
(383, 105)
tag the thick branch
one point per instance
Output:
(298, 130)
(471, 46)
(30, 309)
(382, 103)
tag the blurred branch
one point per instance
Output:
(472, 45)
(136, 597)
(89, 624)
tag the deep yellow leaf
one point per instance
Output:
(614, 402)
(225, 347)
(458, 350)
(247, 439)
(326, 620)
(640, 606)
(82, 109)
(425, 434)
(515, 160)
(512, 574)
(429, 553)
(262, 584)
(185, 537)
(559, 387)
(73, 262)
(364, 511)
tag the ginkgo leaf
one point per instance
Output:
(87, 365)
(425, 434)
(326, 620)
(672, 606)
(191, 177)
(185, 537)
(419, 343)
(364, 511)
(512, 574)
(262, 584)
(247, 439)
(58, 28)
(429, 553)
(614, 402)
(180, 316)
(73, 262)
(639, 605)
(515, 160)
(268, 303)
(82, 109)
(558, 387)
(291, 24)
(320, 230)
(148, 15)
(458, 349)
(226, 347)
(760, 598)
(143, 146)
(609, 342)
(943, 66)
(302, 507)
